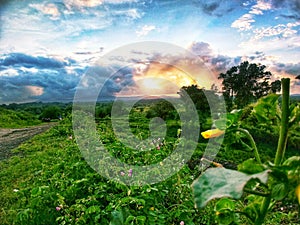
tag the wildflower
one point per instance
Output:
(130, 173)
(122, 173)
(15, 190)
(181, 222)
(212, 133)
(58, 208)
(158, 147)
(152, 208)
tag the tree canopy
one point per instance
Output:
(246, 83)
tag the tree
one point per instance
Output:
(50, 112)
(246, 83)
(205, 101)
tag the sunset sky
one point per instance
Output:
(47, 46)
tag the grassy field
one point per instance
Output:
(53, 184)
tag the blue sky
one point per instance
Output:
(47, 46)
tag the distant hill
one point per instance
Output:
(295, 97)
(17, 119)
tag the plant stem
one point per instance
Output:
(256, 192)
(263, 210)
(285, 82)
(249, 136)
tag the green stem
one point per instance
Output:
(256, 192)
(284, 121)
(249, 136)
(285, 82)
(263, 210)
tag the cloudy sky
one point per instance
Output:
(46, 47)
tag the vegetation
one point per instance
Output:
(30, 114)
(15, 119)
(252, 180)
(264, 183)
(246, 83)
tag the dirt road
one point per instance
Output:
(12, 138)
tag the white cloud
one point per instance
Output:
(244, 22)
(145, 30)
(278, 30)
(130, 13)
(83, 3)
(260, 7)
(119, 1)
(48, 9)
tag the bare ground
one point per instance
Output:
(12, 138)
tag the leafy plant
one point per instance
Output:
(260, 185)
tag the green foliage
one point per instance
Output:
(51, 112)
(246, 83)
(221, 182)
(53, 184)
(16, 119)
(266, 183)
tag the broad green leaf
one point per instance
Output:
(224, 203)
(267, 109)
(250, 166)
(225, 217)
(279, 191)
(221, 182)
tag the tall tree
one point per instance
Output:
(246, 83)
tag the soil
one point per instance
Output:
(12, 138)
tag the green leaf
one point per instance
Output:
(267, 109)
(93, 209)
(117, 218)
(250, 166)
(225, 211)
(294, 114)
(221, 182)
(279, 191)
(221, 124)
(224, 203)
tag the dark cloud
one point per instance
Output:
(201, 49)
(20, 59)
(222, 63)
(291, 7)
(218, 63)
(290, 68)
(217, 7)
(58, 79)
(29, 78)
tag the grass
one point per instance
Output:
(53, 184)
(17, 119)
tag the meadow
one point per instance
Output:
(52, 183)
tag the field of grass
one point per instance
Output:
(53, 184)
(17, 119)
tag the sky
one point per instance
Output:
(48, 47)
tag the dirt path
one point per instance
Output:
(12, 138)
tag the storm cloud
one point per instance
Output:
(217, 7)
(26, 78)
